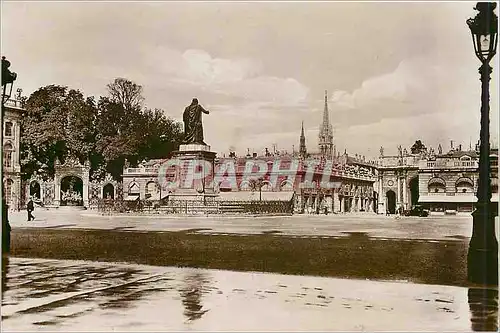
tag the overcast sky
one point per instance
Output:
(395, 72)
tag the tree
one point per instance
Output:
(161, 136)
(126, 93)
(118, 135)
(418, 147)
(57, 122)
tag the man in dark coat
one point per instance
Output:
(30, 207)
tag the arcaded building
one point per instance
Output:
(440, 182)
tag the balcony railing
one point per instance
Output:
(14, 103)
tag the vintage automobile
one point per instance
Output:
(417, 210)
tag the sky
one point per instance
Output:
(395, 72)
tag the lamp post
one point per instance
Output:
(482, 260)
(8, 79)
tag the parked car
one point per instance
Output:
(417, 210)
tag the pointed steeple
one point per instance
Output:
(326, 120)
(326, 133)
(302, 147)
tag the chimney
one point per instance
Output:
(459, 147)
(451, 145)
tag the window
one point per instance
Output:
(464, 185)
(7, 155)
(133, 189)
(8, 128)
(8, 190)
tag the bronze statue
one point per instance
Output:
(193, 126)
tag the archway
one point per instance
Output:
(391, 201)
(108, 191)
(35, 190)
(414, 193)
(71, 191)
(152, 191)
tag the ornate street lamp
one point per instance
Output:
(482, 261)
(8, 79)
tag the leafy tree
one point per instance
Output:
(161, 136)
(55, 119)
(59, 122)
(117, 135)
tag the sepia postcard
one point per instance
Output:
(249, 166)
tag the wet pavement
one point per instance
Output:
(61, 295)
(354, 255)
(380, 226)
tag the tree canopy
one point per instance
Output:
(59, 122)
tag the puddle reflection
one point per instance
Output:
(5, 271)
(483, 305)
(60, 294)
(192, 293)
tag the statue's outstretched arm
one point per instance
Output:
(204, 111)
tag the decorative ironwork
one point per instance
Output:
(49, 193)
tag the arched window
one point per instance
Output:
(8, 128)
(437, 185)
(464, 185)
(7, 155)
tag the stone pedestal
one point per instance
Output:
(195, 174)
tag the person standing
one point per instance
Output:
(30, 207)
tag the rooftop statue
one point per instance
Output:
(193, 126)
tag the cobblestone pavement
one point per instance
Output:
(60, 295)
(434, 227)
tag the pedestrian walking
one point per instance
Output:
(30, 207)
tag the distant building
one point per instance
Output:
(11, 152)
(449, 182)
(442, 182)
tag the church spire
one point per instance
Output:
(326, 120)
(326, 133)
(302, 147)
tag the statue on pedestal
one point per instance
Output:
(193, 126)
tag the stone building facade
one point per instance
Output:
(11, 152)
(440, 182)
(279, 179)
(397, 181)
